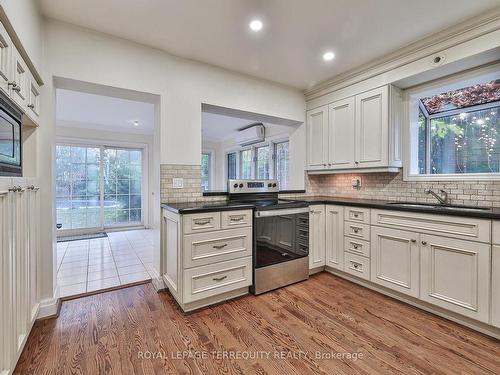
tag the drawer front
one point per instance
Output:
(204, 222)
(213, 247)
(214, 279)
(355, 230)
(358, 215)
(357, 265)
(355, 246)
(236, 219)
(448, 226)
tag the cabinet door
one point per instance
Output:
(5, 60)
(316, 236)
(455, 275)
(334, 236)
(317, 138)
(171, 248)
(495, 286)
(33, 238)
(20, 73)
(395, 257)
(372, 128)
(33, 100)
(341, 134)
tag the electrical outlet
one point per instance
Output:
(177, 183)
(356, 183)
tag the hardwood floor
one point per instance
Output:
(106, 333)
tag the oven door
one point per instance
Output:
(281, 235)
(10, 145)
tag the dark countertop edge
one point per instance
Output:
(223, 193)
(201, 209)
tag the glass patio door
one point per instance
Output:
(98, 187)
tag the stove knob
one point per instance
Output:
(269, 185)
(274, 185)
(241, 185)
(235, 185)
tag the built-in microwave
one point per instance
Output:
(10, 138)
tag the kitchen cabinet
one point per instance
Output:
(495, 285)
(207, 257)
(334, 236)
(317, 138)
(19, 91)
(317, 237)
(455, 275)
(361, 133)
(33, 100)
(5, 60)
(395, 259)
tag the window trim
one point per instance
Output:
(211, 165)
(275, 159)
(409, 112)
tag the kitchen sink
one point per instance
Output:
(450, 207)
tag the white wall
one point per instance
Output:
(116, 139)
(26, 20)
(181, 85)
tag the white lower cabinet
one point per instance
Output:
(495, 285)
(455, 275)
(395, 259)
(334, 229)
(317, 237)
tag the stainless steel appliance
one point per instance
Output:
(10, 138)
(280, 234)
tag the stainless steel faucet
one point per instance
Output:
(443, 198)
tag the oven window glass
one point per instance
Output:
(10, 141)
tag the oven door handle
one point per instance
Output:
(281, 212)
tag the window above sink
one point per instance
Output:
(454, 128)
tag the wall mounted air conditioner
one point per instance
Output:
(251, 135)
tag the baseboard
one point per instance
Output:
(454, 317)
(49, 308)
(157, 281)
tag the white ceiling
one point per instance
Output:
(290, 46)
(219, 128)
(90, 111)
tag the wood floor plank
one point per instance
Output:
(138, 331)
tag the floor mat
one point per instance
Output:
(82, 237)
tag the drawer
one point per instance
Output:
(355, 246)
(357, 214)
(214, 279)
(236, 219)
(203, 222)
(357, 265)
(213, 247)
(355, 230)
(465, 228)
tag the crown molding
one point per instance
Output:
(450, 37)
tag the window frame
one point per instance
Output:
(211, 164)
(274, 144)
(411, 108)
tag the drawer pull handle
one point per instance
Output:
(237, 218)
(413, 240)
(220, 246)
(424, 243)
(16, 89)
(219, 278)
(32, 106)
(355, 230)
(356, 215)
(355, 246)
(356, 265)
(203, 222)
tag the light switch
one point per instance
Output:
(177, 183)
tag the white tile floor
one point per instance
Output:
(119, 259)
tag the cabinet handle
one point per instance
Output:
(356, 215)
(16, 88)
(32, 188)
(220, 246)
(12, 83)
(204, 222)
(355, 246)
(236, 218)
(32, 106)
(219, 278)
(424, 243)
(413, 241)
(324, 165)
(356, 265)
(355, 230)
(356, 162)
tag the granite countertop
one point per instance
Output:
(224, 205)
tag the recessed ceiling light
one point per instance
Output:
(328, 56)
(136, 123)
(256, 25)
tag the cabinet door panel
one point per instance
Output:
(317, 137)
(171, 237)
(455, 275)
(334, 236)
(372, 128)
(395, 258)
(5, 59)
(341, 134)
(495, 286)
(20, 73)
(316, 236)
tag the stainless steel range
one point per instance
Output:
(280, 234)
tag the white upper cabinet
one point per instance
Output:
(33, 99)
(359, 133)
(5, 60)
(341, 134)
(317, 138)
(372, 128)
(20, 74)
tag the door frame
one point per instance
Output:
(102, 144)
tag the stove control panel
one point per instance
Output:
(252, 186)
